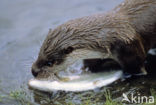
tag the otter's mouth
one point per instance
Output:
(85, 72)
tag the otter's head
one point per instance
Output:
(58, 45)
(53, 52)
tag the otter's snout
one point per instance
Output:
(34, 70)
(34, 73)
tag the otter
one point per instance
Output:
(124, 34)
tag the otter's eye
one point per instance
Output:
(68, 50)
(49, 63)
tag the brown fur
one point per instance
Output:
(127, 32)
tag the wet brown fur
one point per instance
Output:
(127, 32)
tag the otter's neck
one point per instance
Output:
(142, 16)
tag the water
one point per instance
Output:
(23, 26)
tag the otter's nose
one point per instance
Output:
(34, 73)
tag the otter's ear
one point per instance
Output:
(50, 31)
(68, 50)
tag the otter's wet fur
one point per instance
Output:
(125, 33)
